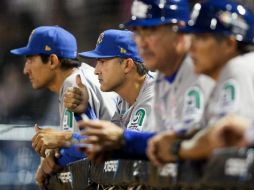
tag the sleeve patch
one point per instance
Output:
(138, 120)
(68, 121)
(193, 104)
(229, 96)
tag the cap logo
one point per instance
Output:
(122, 50)
(47, 48)
(239, 25)
(100, 38)
(139, 9)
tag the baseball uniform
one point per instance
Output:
(100, 102)
(234, 90)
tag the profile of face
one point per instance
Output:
(208, 53)
(40, 74)
(110, 73)
(157, 46)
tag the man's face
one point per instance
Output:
(110, 73)
(157, 46)
(39, 73)
(208, 54)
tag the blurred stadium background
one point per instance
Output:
(20, 106)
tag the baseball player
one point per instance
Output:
(120, 69)
(50, 63)
(219, 28)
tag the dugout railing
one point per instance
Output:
(229, 169)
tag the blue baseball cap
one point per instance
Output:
(222, 17)
(114, 43)
(148, 13)
(49, 40)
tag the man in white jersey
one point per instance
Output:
(50, 63)
(219, 28)
(120, 69)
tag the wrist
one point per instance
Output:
(121, 140)
(175, 149)
(68, 136)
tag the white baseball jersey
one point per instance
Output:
(234, 91)
(134, 117)
(101, 103)
(180, 104)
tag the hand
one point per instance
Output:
(48, 164)
(229, 131)
(41, 178)
(76, 98)
(159, 146)
(50, 139)
(103, 136)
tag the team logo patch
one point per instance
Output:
(100, 38)
(68, 121)
(193, 104)
(138, 120)
(229, 96)
(139, 9)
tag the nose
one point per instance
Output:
(97, 68)
(140, 41)
(26, 68)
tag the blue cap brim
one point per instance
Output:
(94, 55)
(193, 29)
(23, 51)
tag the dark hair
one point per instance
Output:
(66, 63)
(242, 47)
(141, 69)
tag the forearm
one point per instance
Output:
(196, 148)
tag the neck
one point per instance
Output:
(59, 79)
(215, 75)
(130, 90)
(171, 68)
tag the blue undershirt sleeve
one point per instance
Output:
(135, 145)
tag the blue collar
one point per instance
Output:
(171, 78)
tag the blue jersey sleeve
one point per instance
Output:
(135, 145)
(71, 154)
(89, 112)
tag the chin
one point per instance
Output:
(103, 89)
(36, 87)
(150, 65)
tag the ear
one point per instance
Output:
(54, 61)
(128, 65)
(231, 45)
(181, 42)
